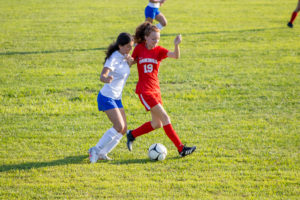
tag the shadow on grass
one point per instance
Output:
(219, 32)
(140, 161)
(49, 51)
(74, 160)
(34, 165)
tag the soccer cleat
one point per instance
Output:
(104, 157)
(130, 140)
(290, 25)
(187, 151)
(94, 154)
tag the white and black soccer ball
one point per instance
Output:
(157, 151)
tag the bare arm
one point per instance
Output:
(104, 77)
(176, 53)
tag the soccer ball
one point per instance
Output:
(157, 152)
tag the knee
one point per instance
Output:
(121, 128)
(156, 124)
(165, 119)
(164, 23)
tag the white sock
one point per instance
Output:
(108, 136)
(110, 146)
(159, 26)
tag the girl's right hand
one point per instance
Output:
(105, 77)
(109, 79)
(178, 39)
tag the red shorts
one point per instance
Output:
(150, 100)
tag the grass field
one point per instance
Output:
(234, 93)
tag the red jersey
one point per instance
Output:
(148, 64)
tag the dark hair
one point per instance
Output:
(123, 39)
(144, 30)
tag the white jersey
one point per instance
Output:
(154, 5)
(120, 71)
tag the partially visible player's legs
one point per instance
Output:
(160, 118)
(162, 21)
(114, 133)
(160, 114)
(118, 118)
(148, 100)
(149, 14)
(143, 129)
(147, 127)
(294, 15)
(121, 127)
(154, 13)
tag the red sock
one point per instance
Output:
(294, 15)
(145, 128)
(173, 136)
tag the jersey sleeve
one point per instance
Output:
(110, 63)
(162, 53)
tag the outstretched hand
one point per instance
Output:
(178, 39)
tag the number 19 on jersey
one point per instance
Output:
(148, 68)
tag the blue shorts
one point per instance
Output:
(106, 103)
(151, 12)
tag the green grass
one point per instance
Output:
(234, 93)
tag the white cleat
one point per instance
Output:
(104, 157)
(94, 154)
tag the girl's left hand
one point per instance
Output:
(178, 39)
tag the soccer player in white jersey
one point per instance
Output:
(114, 74)
(152, 12)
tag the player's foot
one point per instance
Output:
(130, 140)
(187, 151)
(290, 25)
(94, 154)
(104, 157)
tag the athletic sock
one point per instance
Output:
(173, 136)
(159, 26)
(107, 137)
(293, 17)
(145, 128)
(110, 146)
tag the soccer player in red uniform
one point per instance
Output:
(294, 15)
(148, 56)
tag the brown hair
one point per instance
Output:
(123, 39)
(144, 30)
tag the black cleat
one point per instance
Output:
(187, 151)
(130, 140)
(290, 25)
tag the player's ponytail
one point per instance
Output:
(123, 39)
(144, 30)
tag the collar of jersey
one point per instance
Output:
(118, 54)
